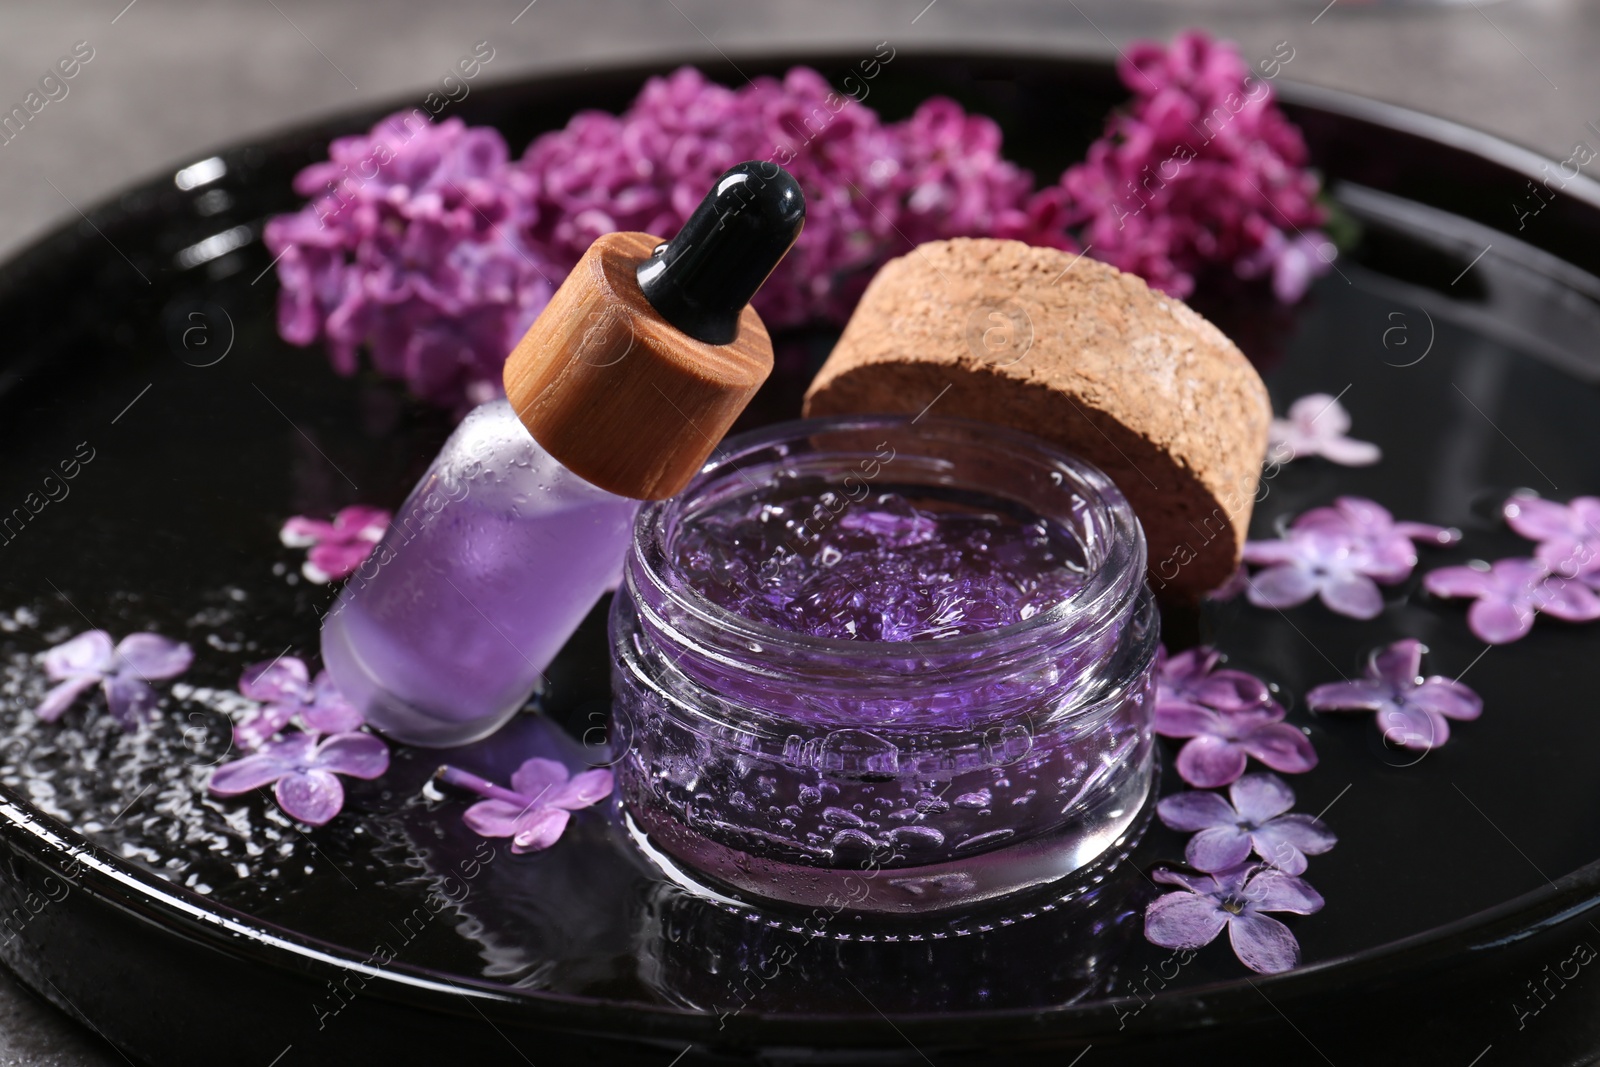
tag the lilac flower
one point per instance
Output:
(1192, 679)
(1391, 540)
(1340, 554)
(1325, 564)
(303, 770)
(123, 672)
(285, 689)
(535, 810)
(1235, 898)
(427, 247)
(1510, 593)
(1293, 264)
(1412, 711)
(873, 190)
(413, 248)
(1316, 426)
(1225, 834)
(954, 182)
(339, 547)
(1560, 580)
(1199, 170)
(1228, 716)
(1568, 534)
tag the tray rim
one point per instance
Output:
(176, 910)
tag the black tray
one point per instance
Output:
(1461, 883)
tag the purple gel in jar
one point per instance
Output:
(884, 665)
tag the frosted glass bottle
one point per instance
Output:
(490, 565)
(619, 391)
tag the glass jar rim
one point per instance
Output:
(1114, 578)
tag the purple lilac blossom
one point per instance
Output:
(1412, 711)
(427, 246)
(1331, 565)
(1199, 169)
(535, 810)
(1316, 426)
(413, 247)
(1227, 715)
(337, 547)
(873, 190)
(1235, 898)
(1226, 833)
(1568, 534)
(1340, 554)
(1509, 593)
(124, 672)
(1294, 263)
(303, 770)
(288, 694)
(1391, 540)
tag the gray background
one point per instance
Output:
(173, 78)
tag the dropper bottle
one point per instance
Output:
(617, 393)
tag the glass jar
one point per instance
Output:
(893, 776)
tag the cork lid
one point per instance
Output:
(649, 350)
(1086, 357)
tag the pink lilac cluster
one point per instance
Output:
(1412, 711)
(1200, 169)
(534, 812)
(414, 246)
(303, 766)
(1340, 554)
(873, 189)
(1561, 579)
(336, 548)
(426, 245)
(1227, 716)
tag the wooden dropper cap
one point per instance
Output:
(649, 350)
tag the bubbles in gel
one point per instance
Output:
(888, 568)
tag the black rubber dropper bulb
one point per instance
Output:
(701, 280)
